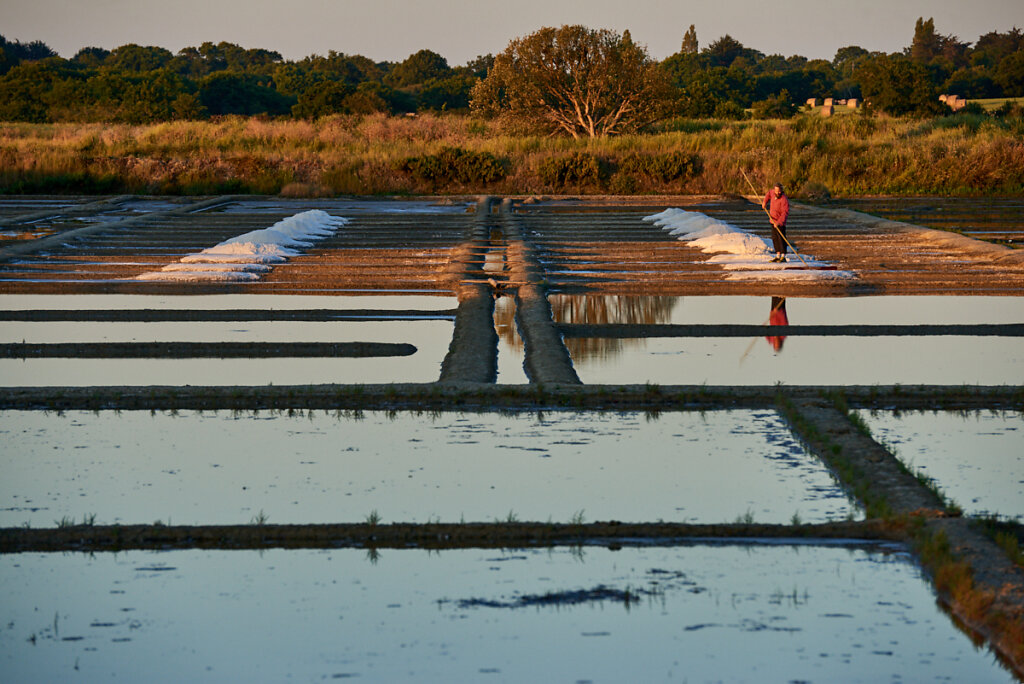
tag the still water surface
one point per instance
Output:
(976, 459)
(736, 613)
(196, 468)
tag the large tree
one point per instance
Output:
(898, 86)
(418, 67)
(573, 80)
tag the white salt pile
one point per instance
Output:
(247, 256)
(744, 254)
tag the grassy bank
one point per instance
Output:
(851, 155)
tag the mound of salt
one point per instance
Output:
(246, 256)
(743, 254)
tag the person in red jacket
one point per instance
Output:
(777, 205)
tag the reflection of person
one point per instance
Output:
(777, 205)
(777, 317)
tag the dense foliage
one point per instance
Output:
(613, 83)
(574, 80)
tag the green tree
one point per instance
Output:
(151, 98)
(573, 80)
(322, 99)
(188, 107)
(1010, 74)
(91, 56)
(726, 50)
(926, 45)
(993, 47)
(778, 107)
(481, 65)
(13, 53)
(225, 92)
(689, 41)
(132, 57)
(446, 94)
(929, 47)
(971, 82)
(847, 58)
(29, 91)
(899, 86)
(418, 68)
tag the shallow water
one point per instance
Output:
(430, 337)
(510, 345)
(134, 467)
(802, 361)
(976, 459)
(878, 310)
(737, 613)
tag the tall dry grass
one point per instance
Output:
(848, 155)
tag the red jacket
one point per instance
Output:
(779, 208)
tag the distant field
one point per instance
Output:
(850, 155)
(997, 102)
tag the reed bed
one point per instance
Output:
(366, 155)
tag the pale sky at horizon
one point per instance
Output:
(462, 29)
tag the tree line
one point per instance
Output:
(570, 80)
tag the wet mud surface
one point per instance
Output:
(997, 220)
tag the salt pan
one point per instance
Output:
(244, 257)
(744, 254)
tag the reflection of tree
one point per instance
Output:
(593, 310)
(505, 322)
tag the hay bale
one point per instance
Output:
(852, 103)
(827, 110)
(812, 102)
(828, 102)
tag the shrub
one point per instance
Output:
(578, 168)
(663, 167)
(623, 183)
(815, 192)
(456, 164)
(683, 125)
(727, 109)
(778, 107)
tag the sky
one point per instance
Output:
(463, 29)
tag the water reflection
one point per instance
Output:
(609, 309)
(706, 613)
(977, 459)
(777, 316)
(225, 468)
